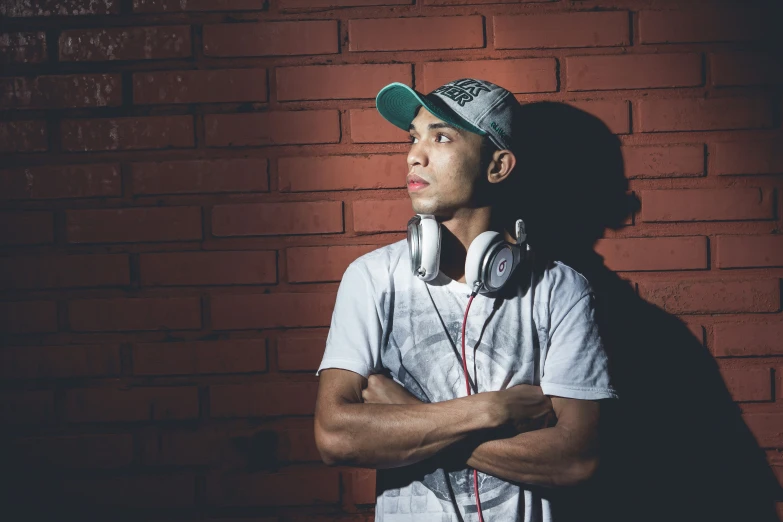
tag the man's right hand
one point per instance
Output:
(524, 407)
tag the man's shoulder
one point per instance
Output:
(381, 261)
(563, 279)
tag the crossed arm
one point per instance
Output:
(376, 423)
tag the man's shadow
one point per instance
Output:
(675, 447)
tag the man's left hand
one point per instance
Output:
(383, 390)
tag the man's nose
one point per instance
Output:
(416, 156)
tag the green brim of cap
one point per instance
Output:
(398, 103)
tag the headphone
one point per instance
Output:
(490, 259)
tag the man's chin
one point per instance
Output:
(423, 206)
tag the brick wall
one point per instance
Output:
(184, 181)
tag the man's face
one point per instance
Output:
(443, 166)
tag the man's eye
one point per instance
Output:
(411, 139)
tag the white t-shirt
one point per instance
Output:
(542, 332)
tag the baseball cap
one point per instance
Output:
(474, 105)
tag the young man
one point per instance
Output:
(392, 390)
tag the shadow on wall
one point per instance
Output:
(675, 447)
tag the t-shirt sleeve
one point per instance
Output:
(576, 364)
(354, 338)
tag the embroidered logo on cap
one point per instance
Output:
(462, 91)
(497, 129)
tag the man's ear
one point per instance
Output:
(501, 165)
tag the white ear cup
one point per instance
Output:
(476, 254)
(498, 267)
(430, 247)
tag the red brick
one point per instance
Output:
(312, 173)
(749, 251)
(747, 157)
(131, 133)
(23, 47)
(173, 6)
(27, 407)
(201, 176)
(296, 354)
(42, 362)
(25, 8)
(639, 71)
(478, 2)
(368, 126)
(125, 43)
(303, 4)
(272, 38)
(132, 492)
(298, 445)
(698, 332)
(330, 82)
(61, 92)
(205, 86)
(67, 181)
(251, 311)
(715, 24)
(131, 404)
(666, 161)
(748, 384)
(614, 114)
(183, 448)
(381, 215)
(322, 263)
(228, 448)
(81, 451)
(575, 29)
(292, 488)
(698, 114)
(707, 204)
(416, 33)
(359, 486)
(745, 68)
(64, 271)
(746, 339)
(766, 427)
(713, 297)
(125, 314)
(26, 228)
(23, 136)
(272, 128)
(208, 268)
(523, 75)
(654, 253)
(262, 399)
(262, 219)
(28, 316)
(200, 357)
(133, 224)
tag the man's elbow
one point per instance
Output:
(578, 471)
(335, 449)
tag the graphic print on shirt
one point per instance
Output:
(426, 358)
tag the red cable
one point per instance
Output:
(467, 389)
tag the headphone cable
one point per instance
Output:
(467, 389)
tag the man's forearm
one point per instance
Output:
(563, 455)
(392, 435)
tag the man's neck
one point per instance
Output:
(458, 232)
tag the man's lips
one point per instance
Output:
(415, 182)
